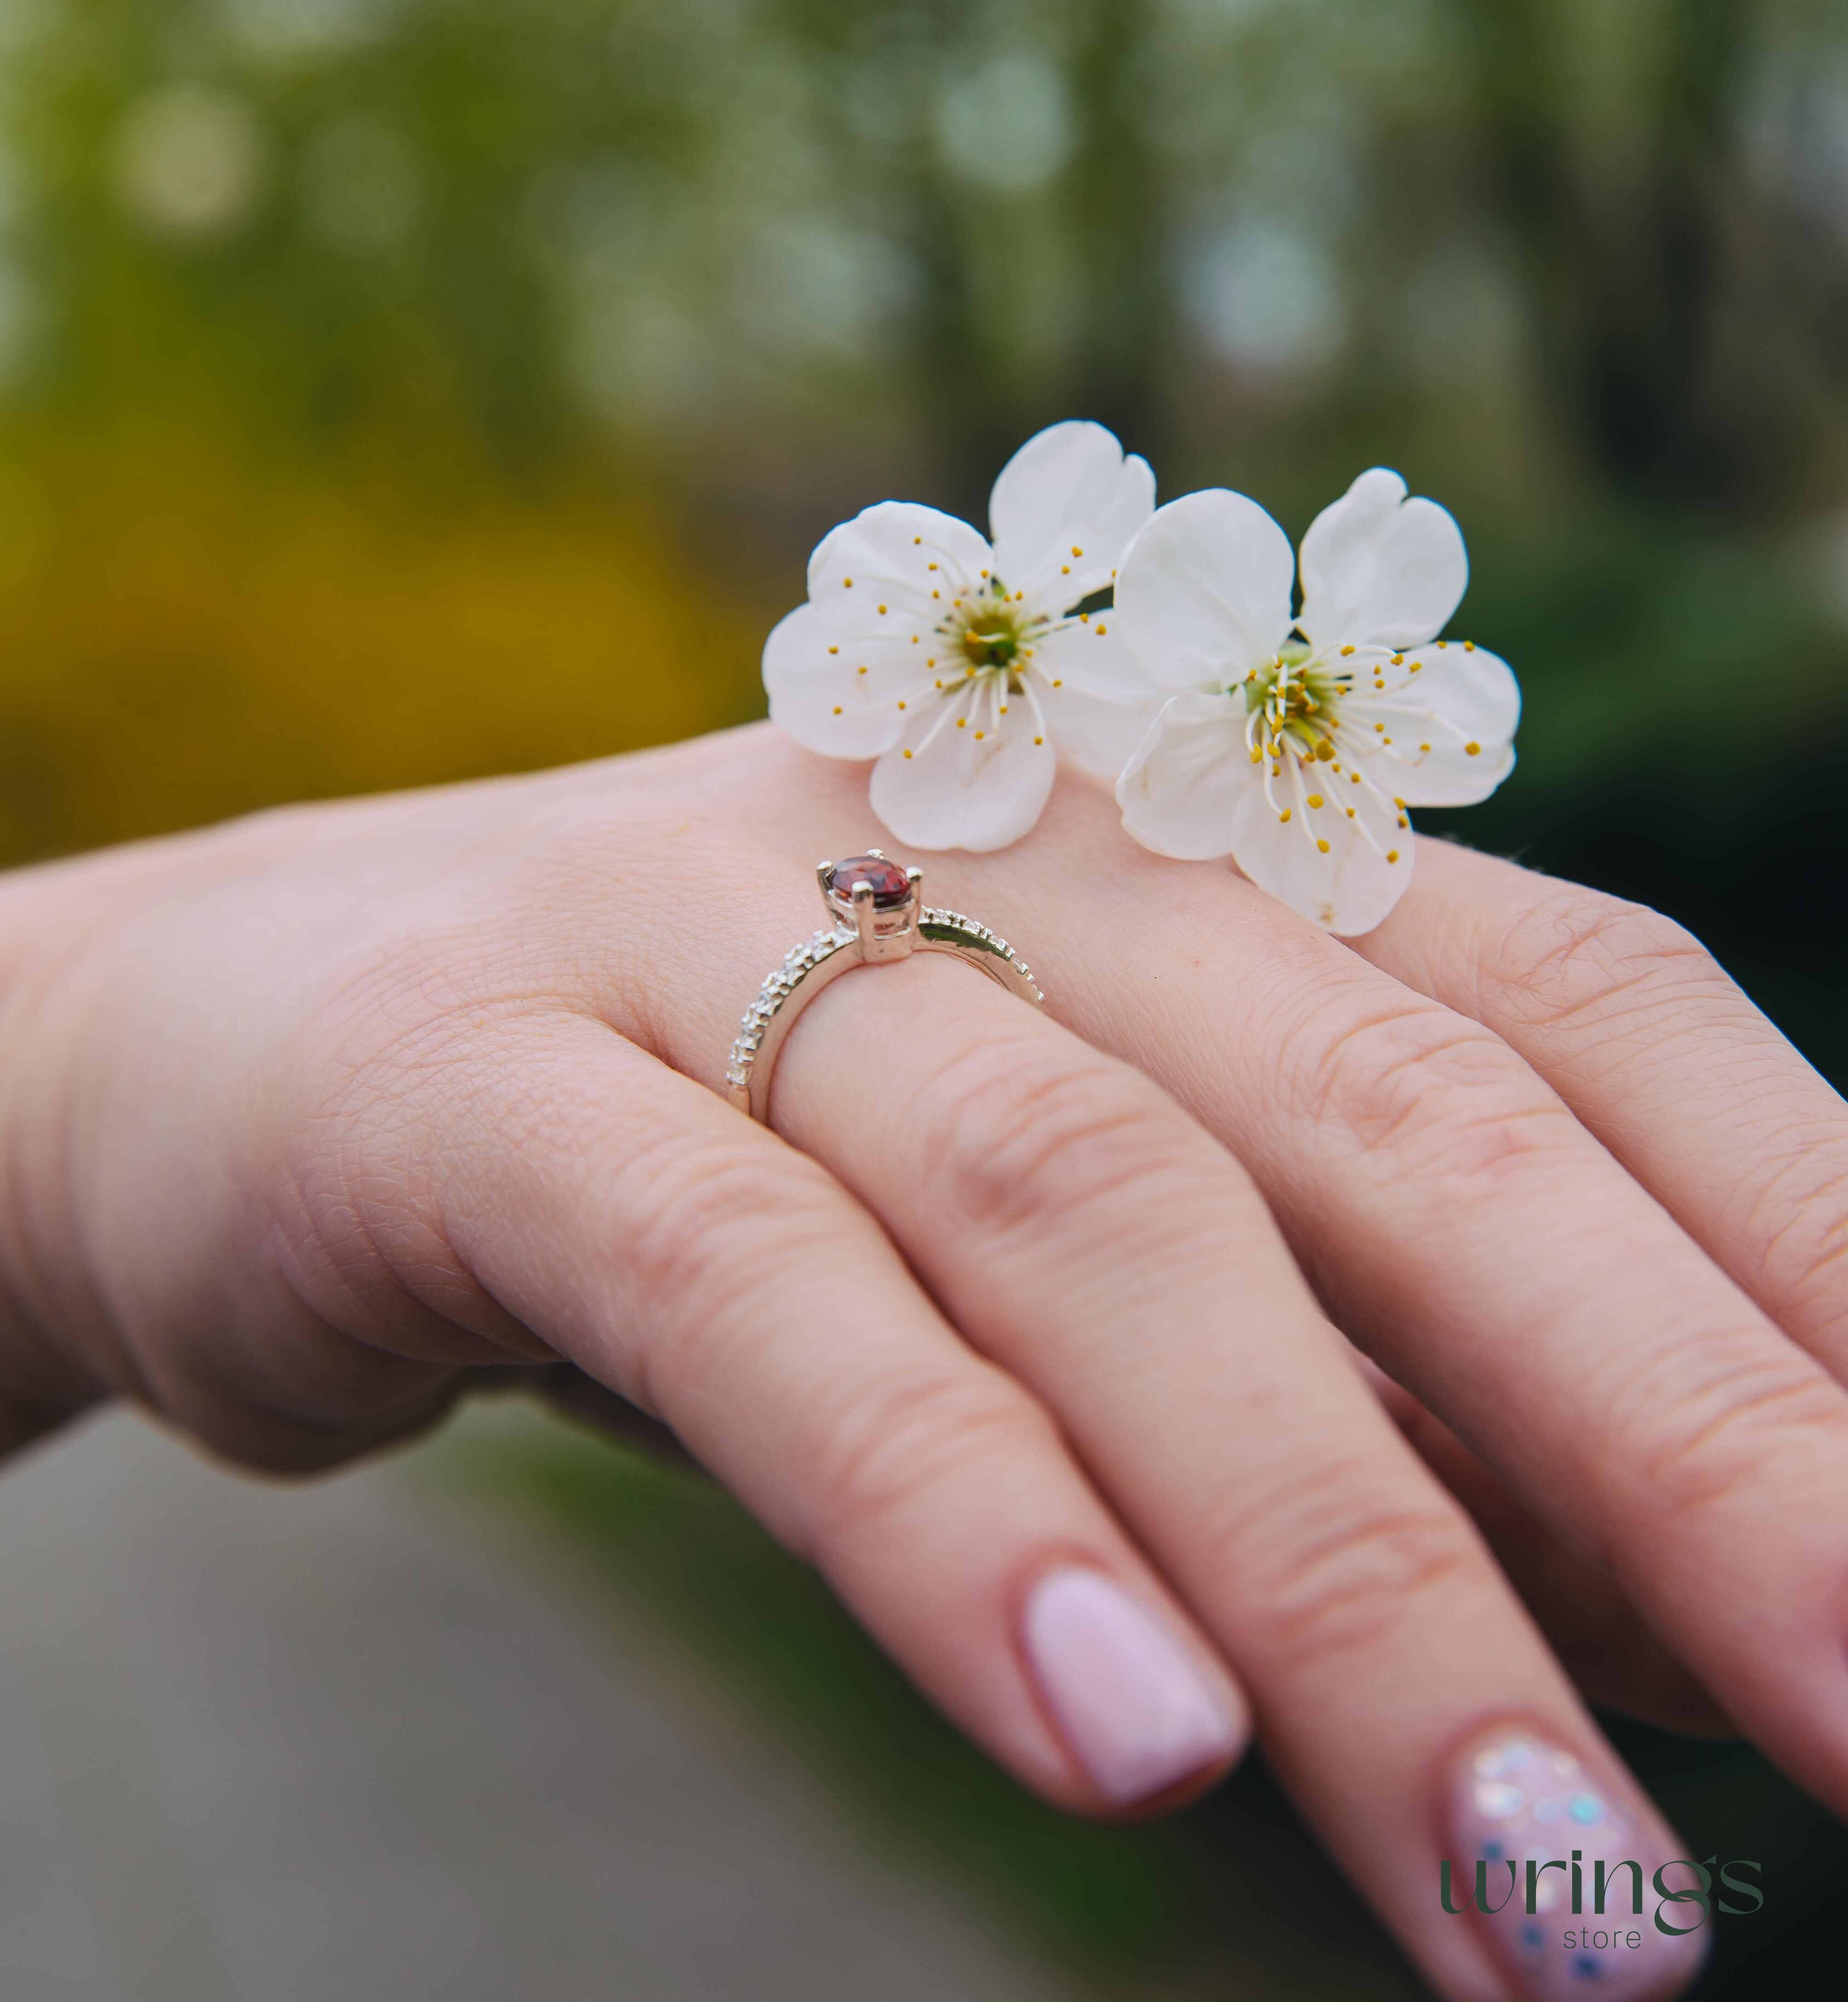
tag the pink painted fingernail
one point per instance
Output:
(1567, 1871)
(1133, 1708)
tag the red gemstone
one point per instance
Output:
(891, 884)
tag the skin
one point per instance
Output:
(315, 1121)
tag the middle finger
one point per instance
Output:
(1465, 1230)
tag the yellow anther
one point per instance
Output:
(1039, 740)
(1417, 665)
(1398, 660)
(882, 611)
(1315, 799)
(979, 735)
(1285, 816)
(1442, 644)
(1392, 855)
(1059, 684)
(901, 705)
(1004, 709)
(846, 584)
(1323, 845)
(908, 754)
(1349, 811)
(1472, 750)
(1102, 631)
(1325, 750)
(1076, 551)
(837, 709)
(1346, 650)
(860, 671)
(1065, 570)
(962, 723)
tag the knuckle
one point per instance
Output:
(1732, 1416)
(1806, 1252)
(701, 1221)
(1341, 1567)
(1023, 1135)
(1419, 1080)
(1577, 956)
(884, 1452)
(703, 1233)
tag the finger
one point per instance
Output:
(1636, 1026)
(1083, 1232)
(726, 1285)
(1613, 1660)
(1461, 1225)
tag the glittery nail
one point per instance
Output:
(1556, 1860)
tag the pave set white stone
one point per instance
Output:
(875, 915)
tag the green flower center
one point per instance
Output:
(991, 636)
(1296, 705)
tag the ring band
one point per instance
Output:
(874, 914)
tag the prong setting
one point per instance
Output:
(875, 913)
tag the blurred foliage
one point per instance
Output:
(394, 390)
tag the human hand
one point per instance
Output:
(310, 1117)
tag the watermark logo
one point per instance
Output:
(1730, 1888)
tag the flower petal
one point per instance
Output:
(1063, 510)
(1451, 711)
(875, 573)
(1347, 887)
(1097, 702)
(1184, 788)
(1379, 568)
(960, 790)
(1204, 594)
(819, 697)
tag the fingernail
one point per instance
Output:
(1133, 1708)
(1529, 1824)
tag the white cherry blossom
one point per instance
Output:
(960, 663)
(1298, 740)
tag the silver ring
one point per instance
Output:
(875, 914)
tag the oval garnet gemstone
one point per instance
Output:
(891, 884)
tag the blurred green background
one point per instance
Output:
(393, 391)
